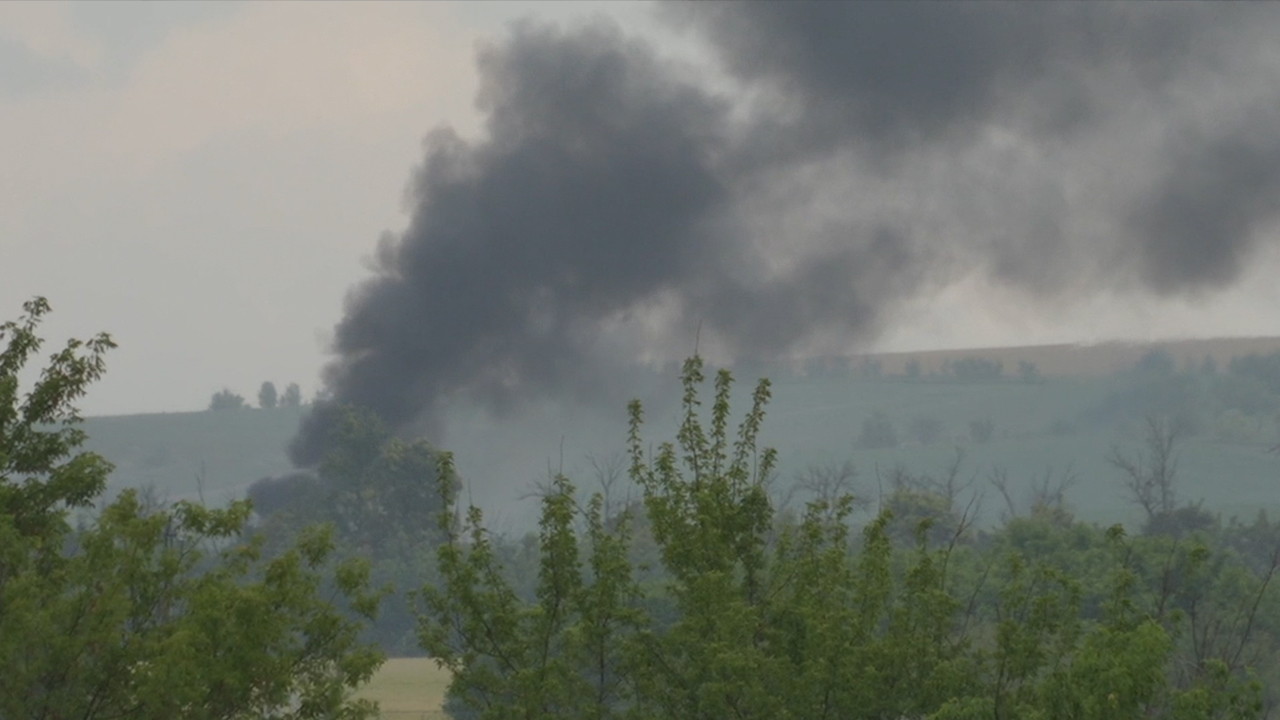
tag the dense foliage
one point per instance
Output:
(144, 612)
(378, 494)
(706, 602)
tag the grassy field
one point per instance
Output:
(408, 689)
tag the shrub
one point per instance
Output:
(226, 400)
(925, 429)
(976, 369)
(878, 432)
(981, 430)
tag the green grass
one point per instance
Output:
(408, 689)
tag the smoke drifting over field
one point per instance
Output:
(848, 157)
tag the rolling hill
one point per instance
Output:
(814, 419)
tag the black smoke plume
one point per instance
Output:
(847, 156)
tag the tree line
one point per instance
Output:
(268, 398)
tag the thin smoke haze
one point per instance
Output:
(849, 157)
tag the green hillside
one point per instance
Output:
(172, 451)
(1037, 427)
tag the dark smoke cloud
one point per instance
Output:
(589, 196)
(1216, 200)
(895, 82)
(890, 75)
(863, 154)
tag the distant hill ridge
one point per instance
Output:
(215, 455)
(1079, 359)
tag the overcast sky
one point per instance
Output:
(206, 181)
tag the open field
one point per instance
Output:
(408, 689)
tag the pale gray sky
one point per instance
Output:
(207, 180)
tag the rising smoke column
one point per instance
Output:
(870, 153)
(588, 196)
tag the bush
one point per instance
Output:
(1140, 395)
(1180, 522)
(878, 432)
(271, 494)
(925, 429)
(981, 430)
(976, 369)
(226, 400)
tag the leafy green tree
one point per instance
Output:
(267, 397)
(742, 627)
(145, 611)
(378, 491)
(292, 396)
(41, 474)
(976, 369)
(379, 494)
(226, 400)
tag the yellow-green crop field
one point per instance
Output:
(408, 689)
